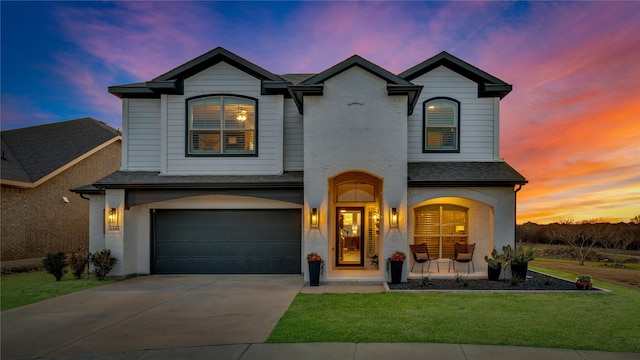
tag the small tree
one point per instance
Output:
(103, 263)
(581, 238)
(55, 264)
(618, 239)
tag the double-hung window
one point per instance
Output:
(441, 125)
(221, 125)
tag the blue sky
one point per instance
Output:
(570, 125)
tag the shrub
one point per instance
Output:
(78, 262)
(103, 263)
(55, 264)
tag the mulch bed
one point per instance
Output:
(535, 281)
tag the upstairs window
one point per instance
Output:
(441, 125)
(221, 125)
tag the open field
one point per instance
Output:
(628, 276)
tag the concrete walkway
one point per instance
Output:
(208, 317)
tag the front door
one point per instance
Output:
(349, 236)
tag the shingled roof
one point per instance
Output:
(454, 173)
(33, 154)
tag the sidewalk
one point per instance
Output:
(348, 351)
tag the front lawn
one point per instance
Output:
(571, 321)
(27, 288)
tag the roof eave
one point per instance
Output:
(207, 186)
(213, 57)
(466, 183)
(298, 92)
(411, 91)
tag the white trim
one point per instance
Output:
(496, 128)
(124, 164)
(164, 133)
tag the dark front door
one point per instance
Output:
(248, 241)
(349, 236)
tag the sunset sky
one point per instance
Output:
(571, 125)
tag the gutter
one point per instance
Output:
(515, 225)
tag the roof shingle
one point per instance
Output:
(31, 153)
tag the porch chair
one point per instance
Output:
(421, 255)
(462, 253)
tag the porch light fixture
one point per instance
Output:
(314, 217)
(113, 217)
(394, 217)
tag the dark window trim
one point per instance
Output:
(186, 121)
(424, 125)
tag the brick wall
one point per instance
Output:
(34, 222)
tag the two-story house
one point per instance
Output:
(229, 168)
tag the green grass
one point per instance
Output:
(558, 320)
(27, 288)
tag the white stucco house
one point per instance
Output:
(229, 168)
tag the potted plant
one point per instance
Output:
(583, 282)
(494, 264)
(396, 261)
(315, 265)
(518, 259)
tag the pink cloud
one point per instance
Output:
(570, 125)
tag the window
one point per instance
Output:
(441, 226)
(441, 125)
(221, 125)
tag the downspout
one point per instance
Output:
(515, 225)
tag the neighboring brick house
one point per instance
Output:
(40, 164)
(229, 168)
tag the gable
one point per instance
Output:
(172, 82)
(488, 85)
(314, 85)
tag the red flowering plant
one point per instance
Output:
(313, 257)
(398, 256)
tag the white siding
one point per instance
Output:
(223, 78)
(142, 135)
(478, 125)
(293, 138)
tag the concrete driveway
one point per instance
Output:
(151, 312)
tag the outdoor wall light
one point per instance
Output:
(314, 217)
(113, 217)
(394, 217)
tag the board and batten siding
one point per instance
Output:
(478, 118)
(141, 135)
(293, 137)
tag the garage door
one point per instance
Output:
(260, 241)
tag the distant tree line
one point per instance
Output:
(583, 236)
